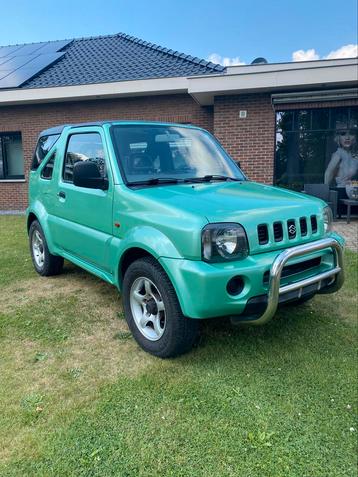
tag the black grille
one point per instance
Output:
(296, 268)
(314, 224)
(262, 233)
(277, 231)
(291, 229)
(303, 226)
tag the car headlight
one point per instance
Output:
(327, 219)
(224, 241)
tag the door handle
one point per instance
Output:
(61, 195)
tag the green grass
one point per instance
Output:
(79, 398)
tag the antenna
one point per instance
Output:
(259, 61)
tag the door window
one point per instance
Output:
(84, 147)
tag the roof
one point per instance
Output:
(118, 57)
(60, 127)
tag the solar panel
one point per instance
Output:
(4, 59)
(30, 49)
(19, 63)
(54, 46)
(7, 50)
(14, 63)
(14, 78)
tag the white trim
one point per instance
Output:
(94, 91)
(12, 180)
(322, 74)
(284, 77)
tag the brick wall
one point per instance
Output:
(31, 119)
(251, 140)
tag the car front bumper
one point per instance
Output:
(202, 287)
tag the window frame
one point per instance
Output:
(34, 158)
(44, 164)
(6, 177)
(77, 133)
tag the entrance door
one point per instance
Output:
(83, 217)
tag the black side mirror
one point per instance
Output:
(87, 174)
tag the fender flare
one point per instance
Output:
(147, 238)
(39, 211)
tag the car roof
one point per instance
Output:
(58, 129)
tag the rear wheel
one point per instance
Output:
(44, 262)
(153, 312)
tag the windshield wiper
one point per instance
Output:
(157, 180)
(210, 177)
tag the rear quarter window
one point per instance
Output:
(47, 170)
(44, 144)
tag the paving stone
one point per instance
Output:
(349, 232)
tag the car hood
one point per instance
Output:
(233, 201)
(247, 203)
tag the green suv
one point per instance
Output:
(163, 213)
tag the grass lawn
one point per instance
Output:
(79, 398)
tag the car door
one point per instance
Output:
(83, 216)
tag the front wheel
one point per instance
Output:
(153, 312)
(44, 262)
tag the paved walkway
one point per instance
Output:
(349, 232)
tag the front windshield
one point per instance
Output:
(164, 153)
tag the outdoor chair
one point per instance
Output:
(322, 191)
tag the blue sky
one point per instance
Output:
(237, 30)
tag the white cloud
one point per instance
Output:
(225, 60)
(302, 55)
(346, 51)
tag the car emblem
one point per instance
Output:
(292, 229)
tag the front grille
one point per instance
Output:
(262, 233)
(295, 268)
(290, 229)
(303, 226)
(278, 231)
(314, 224)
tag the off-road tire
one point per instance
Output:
(180, 333)
(52, 264)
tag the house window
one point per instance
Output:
(11, 156)
(316, 146)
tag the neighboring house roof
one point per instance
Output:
(118, 57)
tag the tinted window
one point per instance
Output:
(84, 147)
(47, 170)
(316, 146)
(44, 145)
(11, 156)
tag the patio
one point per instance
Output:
(349, 232)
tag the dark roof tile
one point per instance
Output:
(118, 57)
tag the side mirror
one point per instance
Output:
(87, 174)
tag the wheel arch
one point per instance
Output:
(128, 257)
(31, 218)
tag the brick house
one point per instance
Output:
(282, 121)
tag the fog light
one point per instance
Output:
(235, 285)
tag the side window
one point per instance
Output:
(84, 147)
(47, 171)
(44, 144)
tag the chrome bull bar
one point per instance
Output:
(274, 288)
